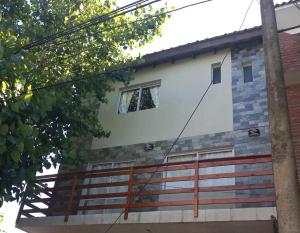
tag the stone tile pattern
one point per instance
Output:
(249, 99)
(249, 110)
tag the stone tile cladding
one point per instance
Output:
(249, 110)
(249, 99)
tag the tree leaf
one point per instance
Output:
(3, 129)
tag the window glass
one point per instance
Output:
(141, 98)
(203, 171)
(248, 77)
(149, 98)
(129, 101)
(216, 74)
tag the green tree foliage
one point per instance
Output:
(42, 128)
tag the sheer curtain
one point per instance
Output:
(155, 95)
(125, 101)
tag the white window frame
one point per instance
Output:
(213, 66)
(247, 64)
(156, 83)
(197, 154)
(201, 152)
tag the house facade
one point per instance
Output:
(218, 175)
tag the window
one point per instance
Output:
(203, 171)
(248, 77)
(140, 97)
(216, 73)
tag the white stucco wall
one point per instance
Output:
(288, 16)
(182, 85)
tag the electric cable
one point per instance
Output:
(182, 130)
(74, 79)
(96, 20)
(133, 22)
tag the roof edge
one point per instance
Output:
(286, 3)
(200, 47)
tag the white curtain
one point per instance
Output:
(125, 101)
(155, 95)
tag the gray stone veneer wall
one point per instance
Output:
(249, 111)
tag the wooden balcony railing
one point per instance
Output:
(71, 190)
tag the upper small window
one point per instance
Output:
(216, 73)
(248, 77)
(139, 98)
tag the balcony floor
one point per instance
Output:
(243, 220)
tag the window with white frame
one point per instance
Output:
(247, 70)
(216, 73)
(203, 171)
(139, 97)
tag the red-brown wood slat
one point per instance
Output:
(40, 210)
(161, 180)
(163, 192)
(143, 169)
(163, 203)
(70, 204)
(98, 196)
(196, 189)
(177, 166)
(236, 174)
(98, 207)
(89, 186)
(130, 183)
(32, 206)
(236, 187)
(21, 209)
(236, 200)
(166, 167)
(205, 202)
(38, 199)
(27, 215)
(234, 162)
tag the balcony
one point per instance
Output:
(235, 192)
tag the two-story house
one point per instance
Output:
(217, 177)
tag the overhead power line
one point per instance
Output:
(184, 127)
(133, 22)
(94, 21)
(181, 131)
(75, 79)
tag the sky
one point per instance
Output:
(196, 23)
